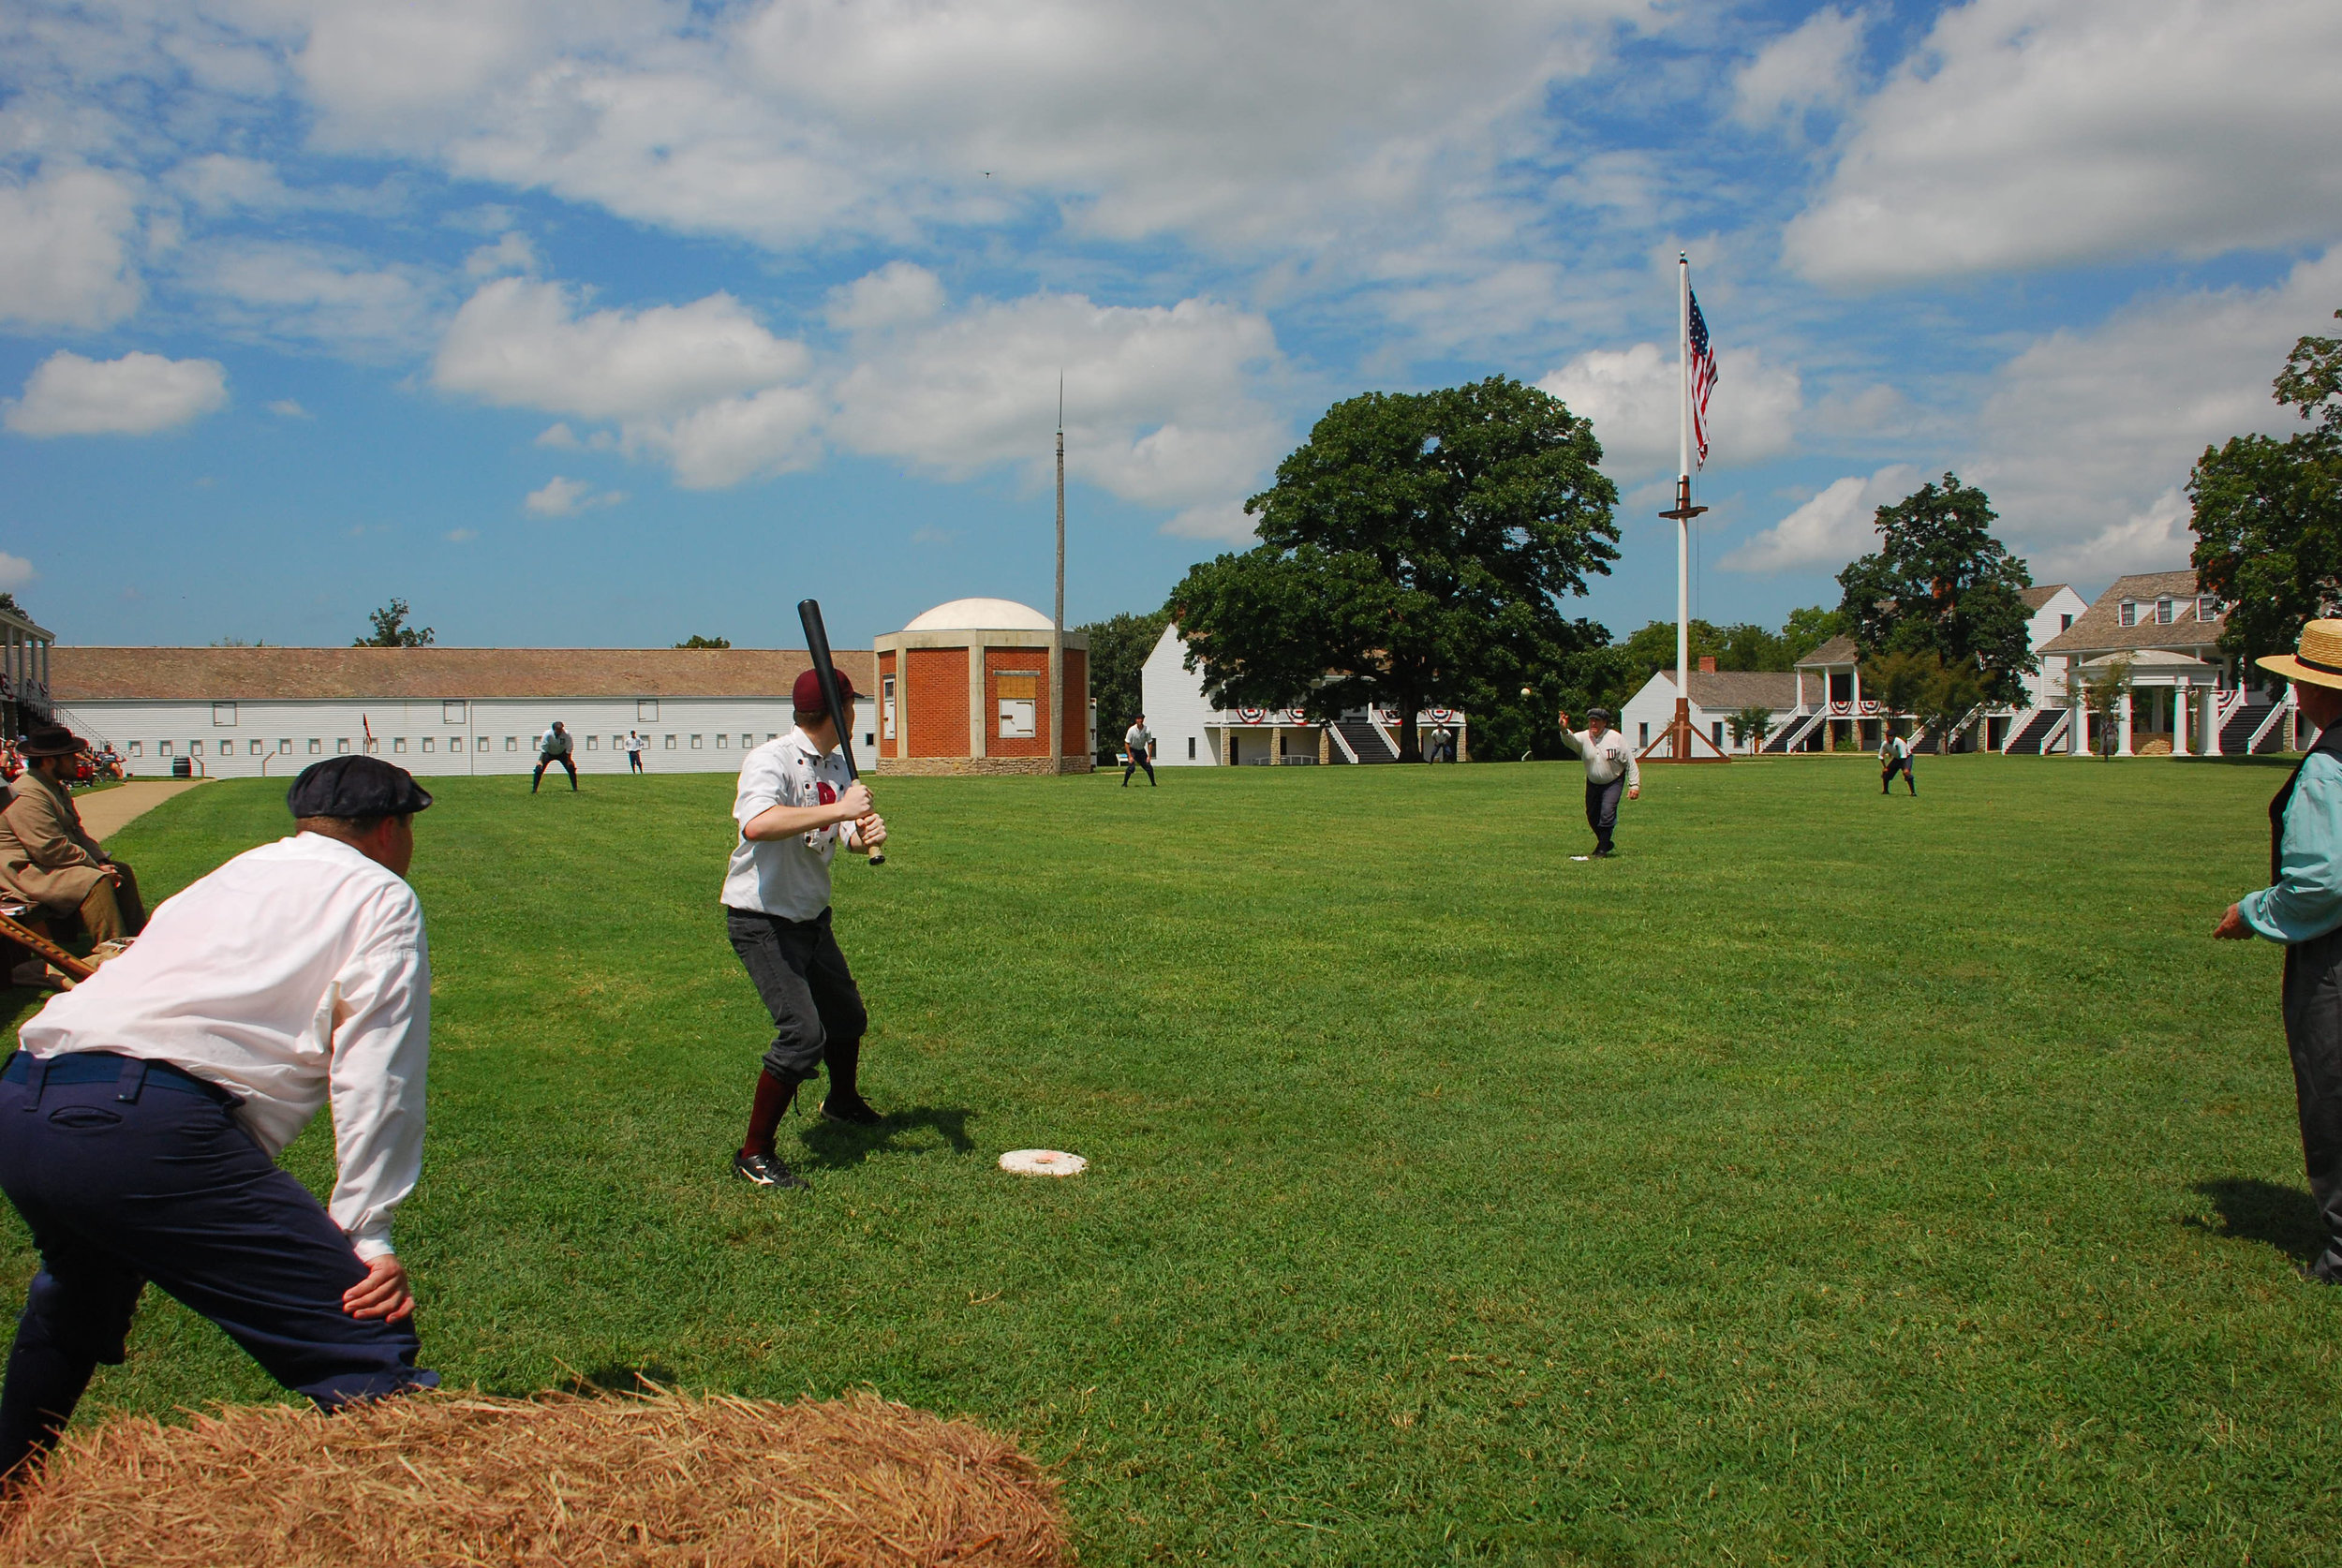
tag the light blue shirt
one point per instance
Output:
(2307, 900)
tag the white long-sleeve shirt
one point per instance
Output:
(786, 877)
(1607, 758)
(294, 974)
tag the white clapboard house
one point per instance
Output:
(1191, 733)
(244, 712)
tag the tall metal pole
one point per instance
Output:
(1057, 621)
(1684, 475)
(1679, 732)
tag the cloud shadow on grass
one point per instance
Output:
(2285, 1217)
(835, 1147)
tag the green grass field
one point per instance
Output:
(1827, 1179)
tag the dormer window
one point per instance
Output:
(2130, 611)
(2163, 610)
(2208, 607)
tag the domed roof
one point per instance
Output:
(981, 615)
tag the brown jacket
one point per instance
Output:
(46, 855)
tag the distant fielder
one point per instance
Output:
(1139, 742)
(554, 745)
(1609, 769)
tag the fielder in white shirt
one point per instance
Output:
(1138, 743)
(140, 1117)
(555, 746)
(1610, 768)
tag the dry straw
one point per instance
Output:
(465, 1479)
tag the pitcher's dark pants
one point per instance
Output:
(545, 763)
(1138, 760)
(2313, 1034)
(801, 978)
(634, 761)
(137, 1173)
(1602, 809)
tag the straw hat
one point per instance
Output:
(2317, 661)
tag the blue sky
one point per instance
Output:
(581, 321)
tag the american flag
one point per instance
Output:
(1703, 378)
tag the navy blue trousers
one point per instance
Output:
(138, 1177)
(1602, 809)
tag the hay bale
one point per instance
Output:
(464, 1478)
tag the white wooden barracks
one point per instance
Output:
(229, 713)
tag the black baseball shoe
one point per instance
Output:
(851, 1109)
(762, 1170)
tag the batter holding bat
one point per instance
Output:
(798, 800)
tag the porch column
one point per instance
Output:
(1275, 745)
(2121, 744)
(2180, 691)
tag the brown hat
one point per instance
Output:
(2317, 661)
(50, 740)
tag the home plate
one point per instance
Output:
(1042, 1162)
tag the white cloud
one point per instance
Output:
(512, 253)
(64, 250)
(736, 438)
(2086, 434)
(565, 497)
(2021, 133)
(312, 294)
(137, 394)
(461, 536)
(1811, 67)
(15, 572)
(560, 436)
(521, 344)
(1633, 395)
(1224, 521)
(1158, 402)
(896, 295)
(1831, 529)
(285, 407)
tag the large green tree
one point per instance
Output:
(2268, 513)
(390, 630)
(1414, 551)
(1940, 582)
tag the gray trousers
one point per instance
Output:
(803, 981)
(1602, 809)
(2313, 1035)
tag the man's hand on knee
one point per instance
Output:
(384, 1292)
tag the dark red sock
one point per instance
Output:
(772, 1100)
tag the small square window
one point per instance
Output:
(647, 710)
(283, 747)
(671, 742)
(341, 747)
(723, 741)
(426, 743)
(483, 741)
(746, 742)
(258, 747)
(453, 713)
(195, 749)
(162, 749)
(398, 743)
(223, 713)
(512, 743)
(134, 748)
(2130, 613)
(316, 746)
(770, 735)
(869, 739)
(2163, 612)
(695, 743)
(593, 743)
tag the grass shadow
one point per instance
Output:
(2285, 1217)
(836, 1145)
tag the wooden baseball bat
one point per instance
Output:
(80, 968)
(817, 643)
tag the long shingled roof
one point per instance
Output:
(86, 674)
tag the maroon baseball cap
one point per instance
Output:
(806, 694)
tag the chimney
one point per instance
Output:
(1707, 664)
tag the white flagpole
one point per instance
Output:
(1684, 474)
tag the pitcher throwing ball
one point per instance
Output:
(795, 805)
(1610, 768)
(141, 1120)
